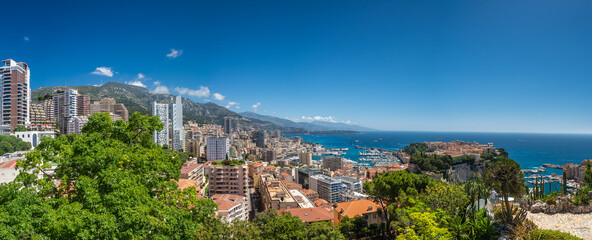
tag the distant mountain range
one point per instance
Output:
(310, 126)
(139, 99)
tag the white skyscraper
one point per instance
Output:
(178, 124)
(162, 111)
(65, 105)
(16, 94)
(217, 148)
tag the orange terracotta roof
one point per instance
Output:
(185, 183)
(257, 164)
(188, 167)
(317, 214)
(357, 207)
(227, 201)
(308, 191)
(9, 164)
(320, 202)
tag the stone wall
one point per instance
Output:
(562, 205)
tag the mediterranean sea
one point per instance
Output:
(530, 150)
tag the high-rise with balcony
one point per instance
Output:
(65, 106)
(16, 94)
(83, 108)
(109, 105)
(178, 124)
(162, 112)
(231, 178)
(217, 148)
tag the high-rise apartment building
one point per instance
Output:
(65, 107)
(277, 134)
(162, 112)
(178, 124)
(217, 148)
(260, 138)
(83, 105)
(305, 158)
(303, 176)
(228, 179)
(333, 163)
(227, 126)
(109, 105)
(38, 115)
(16, 93)
(47, 105)
(270, 155)
(329, 188)
(76, 123)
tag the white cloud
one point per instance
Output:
(26, 38)
(201, 92)
(157, 83)
(256, 106)
(103, 71)
(218, 96)
(136, 83)
(174, 53)
(231, 104)
(161, 90)
(319, 118)
(330, 119)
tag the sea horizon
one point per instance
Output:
(530, 150)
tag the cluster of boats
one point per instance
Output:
(538, 170)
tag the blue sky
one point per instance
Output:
(485, 66)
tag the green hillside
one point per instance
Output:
(139, 99)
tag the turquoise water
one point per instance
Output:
(530, 150)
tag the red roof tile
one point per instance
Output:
(316, 214)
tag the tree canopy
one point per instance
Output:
(10, 144)
(111, 181)
(505, 177)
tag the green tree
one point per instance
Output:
(476, 189)
(355, 228)
(449, 198)
(114, 182)
(588, 174)
(323, 231)
(20, 128)
(391, 190)
(270, 225)
(421, 224)
(505, 177)
(10, 144)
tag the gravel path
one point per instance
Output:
(577, 224)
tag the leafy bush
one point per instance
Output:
(551, 199)
(540, 234)
(483, 227)
(582, 197)
(523, 230)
